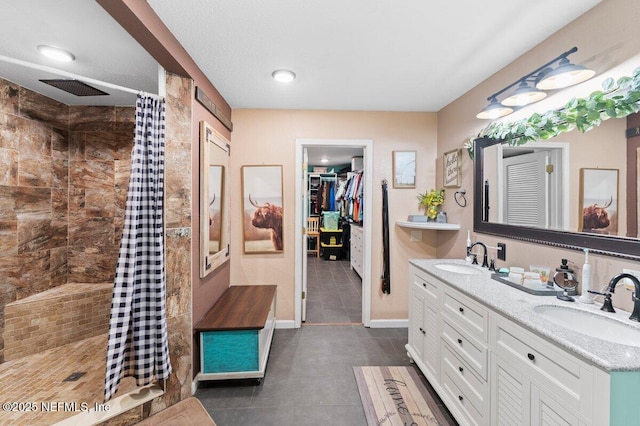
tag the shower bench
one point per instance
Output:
(235, 334)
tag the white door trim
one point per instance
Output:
(367, 145)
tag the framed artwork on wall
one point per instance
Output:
(262, 209)
(598, 201)
(452, 167)
(404, 169)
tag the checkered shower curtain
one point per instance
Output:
(138, 343)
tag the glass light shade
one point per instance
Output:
(56, 53)
(567, 74)
(283, 76)
(524, 95)
(494, 110)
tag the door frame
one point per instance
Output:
(367, 146)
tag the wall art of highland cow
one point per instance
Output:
(262, 209)
(599, 201)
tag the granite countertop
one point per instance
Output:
(518, 306)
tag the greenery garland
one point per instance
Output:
(615, 100)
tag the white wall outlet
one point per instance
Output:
(628, 284)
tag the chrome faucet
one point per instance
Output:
(611, 288)
(485, 263)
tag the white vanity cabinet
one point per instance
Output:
(424, 330)
(534, 382)
(448, 346)
(489, 369)
(464, 358)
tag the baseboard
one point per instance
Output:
(285, 324)
(194, 386)
(390, 323)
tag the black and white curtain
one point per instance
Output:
(138, 344)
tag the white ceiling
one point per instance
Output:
(412, 55)
(372, 55)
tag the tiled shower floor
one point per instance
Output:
(37, 382)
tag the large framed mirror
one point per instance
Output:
(533, 192)
(214, 219)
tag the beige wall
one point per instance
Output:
(268, 137)
(606, 36)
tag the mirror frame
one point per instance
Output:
(212, 140)
(622, 247)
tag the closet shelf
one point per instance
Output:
(429, 225)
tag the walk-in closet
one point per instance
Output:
(334, 215)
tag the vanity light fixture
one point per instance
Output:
(494, 110)
(524, 95)
(283, 76)
(56, 53)
(531, 87)
(567, 74)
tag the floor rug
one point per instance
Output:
(394, 396)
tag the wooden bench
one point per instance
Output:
(236, 334)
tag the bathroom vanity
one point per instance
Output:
(499, 356)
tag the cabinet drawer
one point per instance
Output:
(461, 404)
(473, 352)
(561, 373)
(473, 387)
(466, 313)
(430, 287)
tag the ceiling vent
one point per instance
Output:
(75, 87)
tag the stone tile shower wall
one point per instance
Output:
(63, 177)
(56, 317)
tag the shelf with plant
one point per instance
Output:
(431, 201)
(617, 99)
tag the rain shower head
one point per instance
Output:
(75, 87)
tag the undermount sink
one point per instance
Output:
(591, 324)
(458, 269)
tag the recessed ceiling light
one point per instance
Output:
(324, 160)
(56, 53)
(283, 76)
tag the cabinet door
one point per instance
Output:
(510, 395)
(416, 322)
(545, 410)
(431, 350)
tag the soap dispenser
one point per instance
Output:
(468, 258)
(586, 280)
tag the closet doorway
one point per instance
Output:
(330, 285)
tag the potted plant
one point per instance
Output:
(432, 200)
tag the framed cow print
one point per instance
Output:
(262, 209)
(598, 205)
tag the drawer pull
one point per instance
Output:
(531, 357)
(460, 342)
(460, 397)
(461, 369)
(424, 285)
(461, 309)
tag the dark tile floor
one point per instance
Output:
(309, 378)
(334, 292)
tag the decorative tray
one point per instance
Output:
(544, 291)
